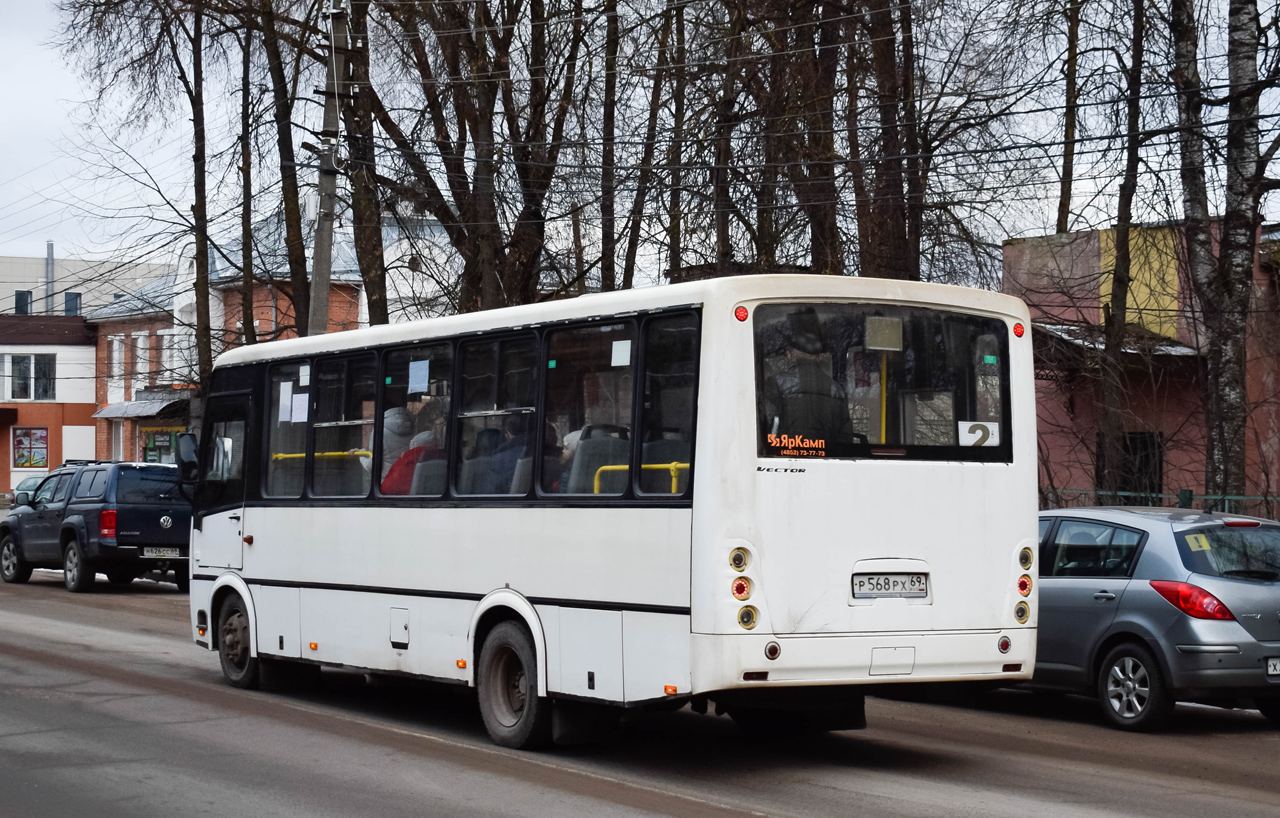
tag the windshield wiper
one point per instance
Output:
(1252, 573)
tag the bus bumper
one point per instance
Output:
(727, 661)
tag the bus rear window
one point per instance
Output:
(1240, 553)
(147, 485)
(862, 380)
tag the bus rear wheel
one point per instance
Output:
(238, 664)
(507, 682)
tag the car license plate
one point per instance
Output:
(1273, 666)
(888, 585)
(161, 553)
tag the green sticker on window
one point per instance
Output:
(388, 380)
(990, 359)
(551, 364)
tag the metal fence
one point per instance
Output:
(1257, 506)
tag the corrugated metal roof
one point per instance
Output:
(149, 299)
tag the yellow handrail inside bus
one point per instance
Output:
(300, 455)
(674, 468)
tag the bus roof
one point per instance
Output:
(731, 289)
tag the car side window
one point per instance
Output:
(92, 484)
(1084, 549)
(1045, 525)
(63, 489)
(45, 493)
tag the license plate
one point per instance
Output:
(161, 553)
(886, 585)
(1273, 666)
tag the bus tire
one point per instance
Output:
(238, 664)
(77, 573)
(507, 683)
(13, 568)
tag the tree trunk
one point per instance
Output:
(911, 134)
(1111, 457)
(675, 217)
(724, 141)
(1069, 114)
(199, 208)
(1226, 328)
(646, 159)
(888, 240)
(248, 327)
(608, 238)
(282, 109)
(366, 205)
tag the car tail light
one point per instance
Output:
(1241, 523)
(1192, 600)
(107, 523)
(741, 588)
(1024, 585)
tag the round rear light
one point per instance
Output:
(740, 313)
(772, 651)
(1025, 558)
(1022, 612)
(748, 616)
(741, 588)
(1004, 644)
(1024, 585)
(1018, 330)
(738, 559)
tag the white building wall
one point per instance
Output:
(73, 376)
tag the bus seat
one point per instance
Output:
(592, 453)
(467, 474)
(429, 478)
(657, 481)
(522, 479)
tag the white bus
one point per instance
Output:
(765, 492)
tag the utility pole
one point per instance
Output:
(322, 251)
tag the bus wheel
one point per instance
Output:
(507, 681)
(12, 567)
(240, 668)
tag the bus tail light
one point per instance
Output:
(1025, 558)
(1004, 644)
(748, 616)
(669, 690)
(738, 559)
(1018, 330)
(1022, 612)
(740, 313)
(772, 651)
(741, 588)
(1192, 600)
(1024, 585)
(107, 523)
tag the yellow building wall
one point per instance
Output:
(1153, 286)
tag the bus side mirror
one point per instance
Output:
(188, 458)
(22, 498)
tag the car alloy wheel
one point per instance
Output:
(1128, 687)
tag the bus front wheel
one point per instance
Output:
(238, 664)
(507, 683)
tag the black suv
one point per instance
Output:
(123, 519)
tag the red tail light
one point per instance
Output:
(1192, 600)
(107, 523)
(1241, 523)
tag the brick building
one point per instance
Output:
(46, 394)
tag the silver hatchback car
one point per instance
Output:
(1143, 607)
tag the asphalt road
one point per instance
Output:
(107, 709)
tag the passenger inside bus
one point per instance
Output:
(803, 400)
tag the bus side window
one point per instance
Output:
(343, 455)
(415, 421)
(289, 402)
(670, 389)
(496, 416)
(587, 435)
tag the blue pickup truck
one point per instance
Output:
(121, 519)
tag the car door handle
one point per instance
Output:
(235, 518)
(1103, 596)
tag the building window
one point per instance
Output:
(30, 447)
(115, 356)
(32, 377)
(71, 303)
(22, 302)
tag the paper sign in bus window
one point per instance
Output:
(300, 408)
(286, 401)
(1198, 542)
(977, 433)
(419, 376)
(304, 375)
(621, 353)
(884, 333)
